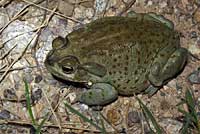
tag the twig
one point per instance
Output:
(23, 52)
(21, 12)
(3, 44)
(59, 14)
(115, 129)
(8, 52)
(83, 1)
(18, 58)
(33, 50)
(33, 30)
(45, 23)
(64, 125)
(52, 110)
(127, 7)
(2, 67)
(13, 100)
(16, 69)
(104, 12)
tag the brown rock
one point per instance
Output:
(87, 4)
(114, 116)
(196, 16)
(66, 8)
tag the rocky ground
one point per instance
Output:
(27, 30)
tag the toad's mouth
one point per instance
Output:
(68, 74)
(69, 68)
(62, 67)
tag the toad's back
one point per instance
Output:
(126, 46)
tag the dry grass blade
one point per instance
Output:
(48, 125)
(67, 17)
(115, 129)
(20, 13)
(104, 12)
(127, 7)
(7, 53)
(17, 68)
(52, 110)
(102, 130)
(45, 23)
(36, 125)
(19, 57)
(15, 60)
(21, 34)
(2, 67)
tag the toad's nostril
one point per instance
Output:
(59, 42)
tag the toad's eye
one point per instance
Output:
(67, 69)
(69, 64)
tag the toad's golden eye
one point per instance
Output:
(67, 69)
(69, 64)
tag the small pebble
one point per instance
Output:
(133, 117)
(66, 8)
(194, 77)
(36, 95)
(10, 94)
(197, 2)
(123, 131)
(193, 34)
(114, 116)
(162, 93)
(24, 101)
(38, 78)
(4, 114)
(88, 4)
(196, 16)
(165, 105)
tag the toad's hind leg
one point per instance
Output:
(100, 94)
(161, 72)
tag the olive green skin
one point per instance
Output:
(122, 55)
